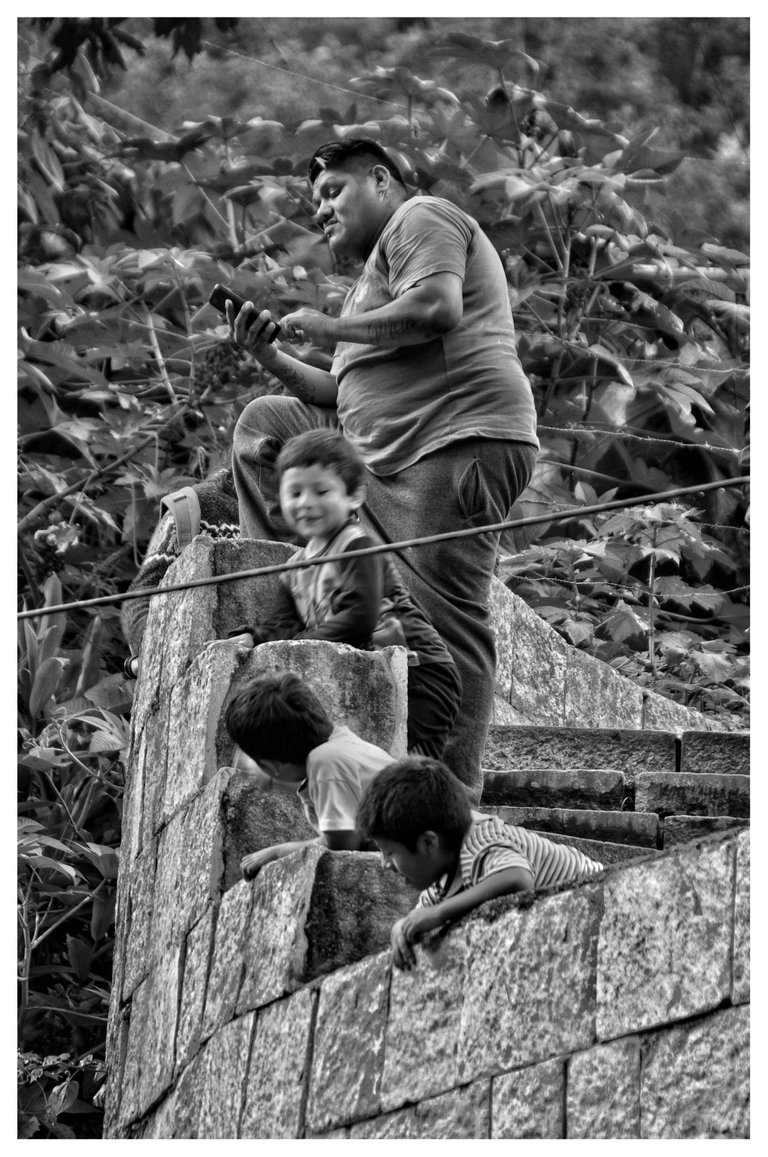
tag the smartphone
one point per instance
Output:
(221, 294)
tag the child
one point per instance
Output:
(278, 722)
(361, 601)
(418, 814)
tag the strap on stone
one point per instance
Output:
(184, 505)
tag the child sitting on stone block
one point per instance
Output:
(360, 601)
(418, 814)
(280, 724)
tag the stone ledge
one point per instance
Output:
(554, 787)
(724, 753)
(692, 793)
(627, 751)
(638, 828)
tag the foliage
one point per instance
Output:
(635, 340)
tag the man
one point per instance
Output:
(426, 382)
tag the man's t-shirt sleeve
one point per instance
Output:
(429, 238)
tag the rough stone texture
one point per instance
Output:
(531, 658)
(677, 830)
(664, 950)
(692, 793)
(597, 696)
(603, 1098)
(366, 690)
(639, 828)
(196, 704)
(529, 983)
(250, 600)
(254, 819)
(505, 714)
(529, 1102)
(567, 747)
(554, 787)
(724, 753)
(740, 991)
(147, 692)
(189, 866)
(461, 1114)
(138, 889)
(188, 621)
(149, 1057)
(662, 714)
(193, 989)
(346, 1079)
(425, 1008)
(133, 802)
(228, 958)
(213, 1100)
(150, 765)
(277, 1076)
(695, 1079)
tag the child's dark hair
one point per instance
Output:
(414, 796)
(276, 716)
(325, 448)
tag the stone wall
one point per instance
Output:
(268, 1008)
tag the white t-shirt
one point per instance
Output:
(338, 771)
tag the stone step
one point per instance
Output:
(721, 752)
(693, 793)
(640, 829)
(596, 788)
(626, 751)
(680, 829)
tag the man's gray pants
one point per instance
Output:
(473, 482)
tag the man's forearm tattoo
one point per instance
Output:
(392, 330)
(292, 377)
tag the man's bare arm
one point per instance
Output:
(252, 330)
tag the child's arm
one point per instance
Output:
(357, 602)
(420, 921)
(347, 841)
(283, 623)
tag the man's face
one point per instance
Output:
(351, 208)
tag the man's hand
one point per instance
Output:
(409, 931)
(309, 325)
(251, 329)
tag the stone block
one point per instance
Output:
(227, 958)
(211, 1090)
(692, 793)
(276, 1084)
(627, 751)
(366, 690)
(346, 1079)
(147, 693)
(152, 755)
(193, 989)
(554, 787)
(249, 600)
(597, 696)
(722, 753)
(531, 658)
(462, 1114)
(425, 1010)
(740, 990)
(664, 950)
(529, 991)
(255, 819)
(149, 1061)
(504, 714)
(662, 714)
(195, 711)
(134, 944)
(603, 1100)
(189, 866)
(695, 1079)
(313, 912)
(528, 1103)
(676, 830)
(638, 828)
(188, 623)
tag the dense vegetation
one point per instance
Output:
(155, 159)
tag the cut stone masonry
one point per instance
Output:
(269, 1008)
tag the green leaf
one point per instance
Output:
(79, 954)
(45, 685)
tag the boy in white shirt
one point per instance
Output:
(280, 724)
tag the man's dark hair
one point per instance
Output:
(413, 796)
(352, 153)
(324, 448)
(276, 716)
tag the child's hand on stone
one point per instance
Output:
(408, 931)
(254, 862)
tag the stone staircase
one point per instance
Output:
(269, 1008)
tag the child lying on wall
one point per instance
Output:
(418, 814)
(359, 601)
(280, 724)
